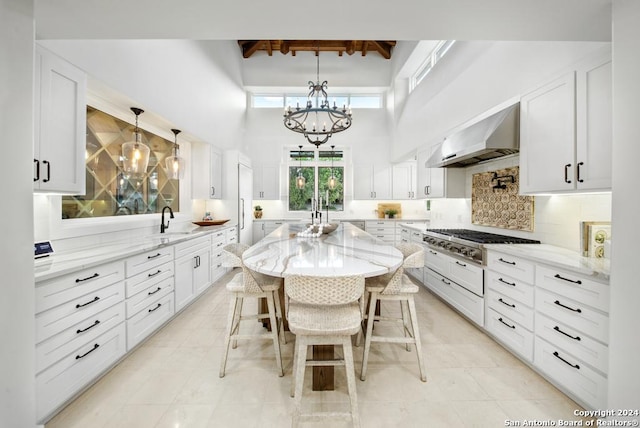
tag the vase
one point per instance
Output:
(257, 214)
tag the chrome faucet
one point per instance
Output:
(164, 227)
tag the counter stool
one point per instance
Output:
(323, 311)
(396, 286)
(251, 284)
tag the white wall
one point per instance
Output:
(17, 297)
(624, 346)
(196, 85)
(474, 77)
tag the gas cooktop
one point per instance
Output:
(482, 237)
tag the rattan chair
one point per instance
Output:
(323, 311)
(255, 285)
(395, 286)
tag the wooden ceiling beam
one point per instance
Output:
(250, 47)
(365, 45)
(384, 48)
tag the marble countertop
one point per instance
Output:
(346, 251)
(83, 258)
(558, 257)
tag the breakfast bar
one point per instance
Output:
(346, 251)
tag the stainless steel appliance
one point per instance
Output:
(468, 244)
(454, 267)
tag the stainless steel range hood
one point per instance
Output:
(490, 136)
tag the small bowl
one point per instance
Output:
(326, 228)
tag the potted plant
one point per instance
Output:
(390, 213)
(257, 211)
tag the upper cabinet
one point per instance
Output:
(565, 131)
(371, 181)
(266, 184)
(438, 182)
(60, 125)
(404, 181)
(206, 172)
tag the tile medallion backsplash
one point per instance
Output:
(495, 201)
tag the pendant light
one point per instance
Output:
(300, 180)
(333, 181)
(135, 154)
(175, 164)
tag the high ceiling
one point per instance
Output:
(350, 47)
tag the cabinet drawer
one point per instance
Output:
(142, 262)
(576, 287)
(464, 301)
(469, 276)
(155, 291)
(436, 260)
(373, 224)
(416, 237)
(192, 246)
(509, 332)
(60, 382)
(144, 280)
(571, 374)
(74, 337)
(572, 341)
(515, 267)
(149, 319)
(232, 231)
(218, 236)
(217, 245)
(64, 316)
(513, 309)
(69, 287)
(510, 287)
(580, 317)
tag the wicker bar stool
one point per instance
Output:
(255, 285)
(396, 286)
(323, 311)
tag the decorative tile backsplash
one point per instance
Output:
(495, 201)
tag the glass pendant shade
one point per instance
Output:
(332, 182)
(300, 180)
(175, 165)
(135, 154)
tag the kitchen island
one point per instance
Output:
(348, 250)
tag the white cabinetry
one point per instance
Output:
(149, 291)
(218, 241)
(509, 302)
(60, 125)
(206, 172)
(439, 182)
(262, 228)
(404, 181)
(565, 131)
(371, 181)
(80, 332)
(385, 230)
(192, 270)
(459, 283)
(572, 332)
(266, 181)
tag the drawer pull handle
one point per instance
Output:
(556, 328)
(154, 292)
(154, 256)
(557, 302)
(508, 325)
(82, 330)
(95, 275)
(96, 346)
(433, 252)
(461, 264)
(156, 308)
(575, 366)
(95, 299)
(506, 261)
(513, 284)
(155, 273)
(445, 281)
(567, 279)
(505, 303)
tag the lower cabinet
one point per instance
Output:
(192, 270)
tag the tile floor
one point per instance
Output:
(172, 379)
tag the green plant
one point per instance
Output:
(391, 212)
(257, 208)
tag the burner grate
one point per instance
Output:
(483, 237)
